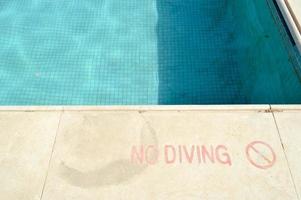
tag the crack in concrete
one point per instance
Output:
(287, 162)
(51, 155)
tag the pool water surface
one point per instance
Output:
(117, 52)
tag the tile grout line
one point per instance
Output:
(51, 155)
(282, 146)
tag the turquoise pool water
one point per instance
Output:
(108, 52)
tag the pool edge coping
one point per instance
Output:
(259, 108)
(292, 20)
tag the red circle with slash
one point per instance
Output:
(263, 161)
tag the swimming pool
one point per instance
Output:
(108, 52)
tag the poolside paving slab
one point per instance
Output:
(168, 155)
(296, 7)
(289, 124)
(26, 141)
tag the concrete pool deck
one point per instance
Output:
(150, 152)
(296, 10)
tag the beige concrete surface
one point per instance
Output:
(289, 124)
(296, 7)
(26, 141)
(92, 157)
(286, 108)
(200, 153)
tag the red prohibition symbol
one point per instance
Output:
(258, 159)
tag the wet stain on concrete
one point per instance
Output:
(113, 173)
(116, 172)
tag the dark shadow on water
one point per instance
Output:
(196, 53)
